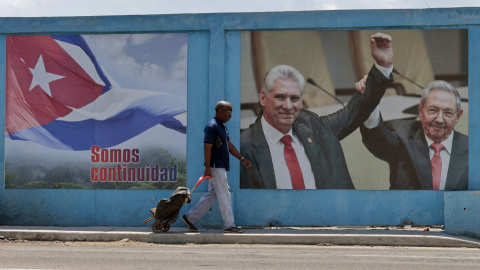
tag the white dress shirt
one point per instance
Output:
(282, 175)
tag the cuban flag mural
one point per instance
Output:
(65, 109)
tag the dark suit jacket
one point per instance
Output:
(320, 137)
(402, 144)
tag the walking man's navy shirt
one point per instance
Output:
(220, 156)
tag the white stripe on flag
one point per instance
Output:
(109, 104)
(82, 59)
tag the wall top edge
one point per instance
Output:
(321, 19)
(470, 9)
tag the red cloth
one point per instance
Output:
(436, 164)
(292, 163)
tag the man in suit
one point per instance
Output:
(295, 148)
(408, 145)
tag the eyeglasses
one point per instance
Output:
(432, 111)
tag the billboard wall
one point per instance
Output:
(216, 71)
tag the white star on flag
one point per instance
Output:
(42, 77)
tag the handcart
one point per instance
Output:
(167, 210)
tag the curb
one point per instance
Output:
(250, 236)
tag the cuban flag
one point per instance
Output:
(58, 96)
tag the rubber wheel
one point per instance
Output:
(157, 227)
(166, 227)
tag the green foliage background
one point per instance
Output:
(73, 176)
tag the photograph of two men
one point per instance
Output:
(359, 109)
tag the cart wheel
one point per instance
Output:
(166, 227)
(157, 227)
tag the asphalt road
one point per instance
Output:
(134, 255)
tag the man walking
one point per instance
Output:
(217, 146)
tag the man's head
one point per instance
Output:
(223, 111)
(440, 109)
(281, 97)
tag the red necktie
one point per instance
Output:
(292, 163)
(436, 164)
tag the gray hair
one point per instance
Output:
(441, 86)
(222, 104)
(282, 72)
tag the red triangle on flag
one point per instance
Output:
(43, 82)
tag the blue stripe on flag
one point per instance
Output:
(128, 123)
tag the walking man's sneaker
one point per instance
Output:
(189, 224)
(233, 230)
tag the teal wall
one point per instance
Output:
(213, 74)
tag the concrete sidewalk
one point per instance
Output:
(293, 235)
